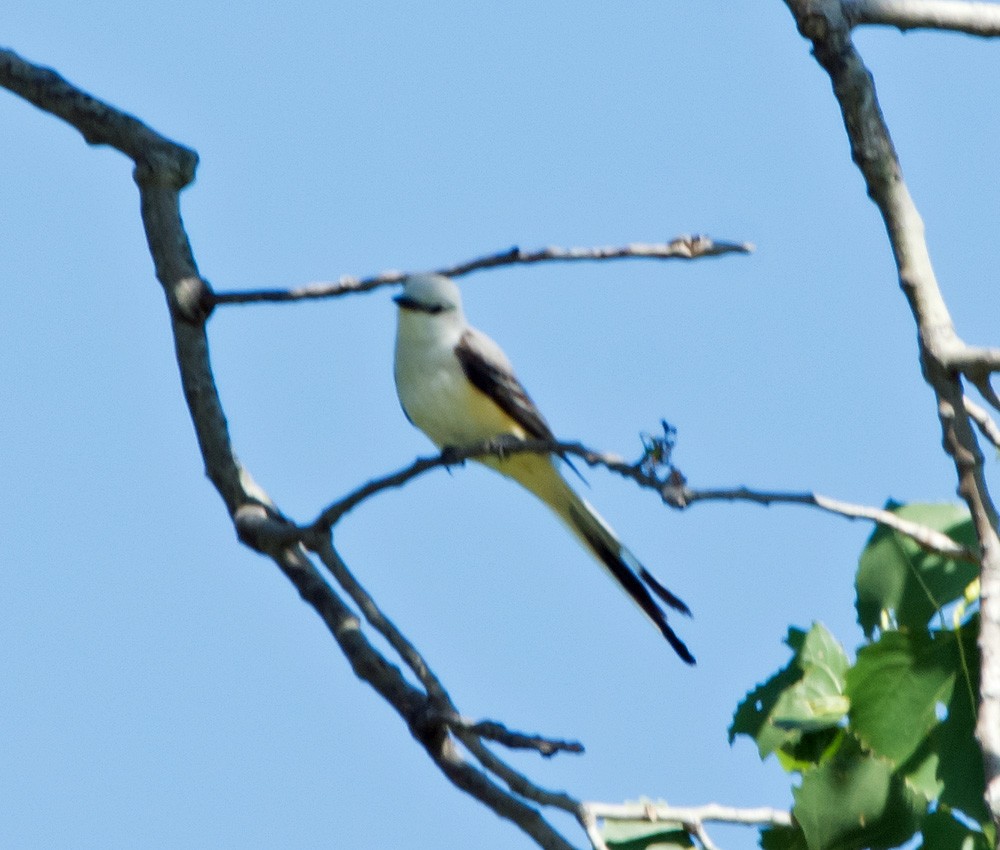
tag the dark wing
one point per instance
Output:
(490, 372)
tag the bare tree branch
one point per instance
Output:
(590, 826)
(981, 382)
(673, 490)
(944, 357)
(162, 169)
(691, 818)
(927, 538)
(98, 123)
(981, 19)
(987, 426)
(323, 547)
(426, 715)
(709, 813)
(975, 363)
(698, 830)
(517, 782)
(441, 710)
(681, 248)
(440, 715)
(491, 730)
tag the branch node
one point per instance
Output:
(263, 529)
(191, 300)
(171, 166)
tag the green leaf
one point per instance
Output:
(810, 749)
(643, 835)
(960, 765)
(895, 689)
(921, 771)
(896, 576)
(783, 838)
(805, 697)
(817, 700)
(942, 832)
(913, 703)
(854, 801)
(752, 717)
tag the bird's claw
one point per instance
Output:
(452, 456)
(500, 444)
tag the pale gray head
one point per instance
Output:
(429, 293)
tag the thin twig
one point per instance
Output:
(321, 545)
(673, 490)
(491, 730)
(517, 782)
(981, 381)
(982, 19)
(984, 422)
(441, 711)
(927, 538)
(589, 823)
(691, 819)
(709, 813)
(409, 702)
(697, 829)
(681, 248)
(332, 514)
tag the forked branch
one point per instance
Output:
(162, 169)
(944, 357)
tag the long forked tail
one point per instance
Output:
(636, 582)
(538, 474)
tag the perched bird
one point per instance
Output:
(458, 387)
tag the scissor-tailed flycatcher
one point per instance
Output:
(458, 387)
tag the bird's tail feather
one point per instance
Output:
(588, 524)
(591, 529)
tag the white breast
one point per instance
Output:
(433, 389)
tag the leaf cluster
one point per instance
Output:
(883, 748)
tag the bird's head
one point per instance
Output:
(431, 294)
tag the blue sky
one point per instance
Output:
(163, 686)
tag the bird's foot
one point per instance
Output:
(452, 455)
(501, 444)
